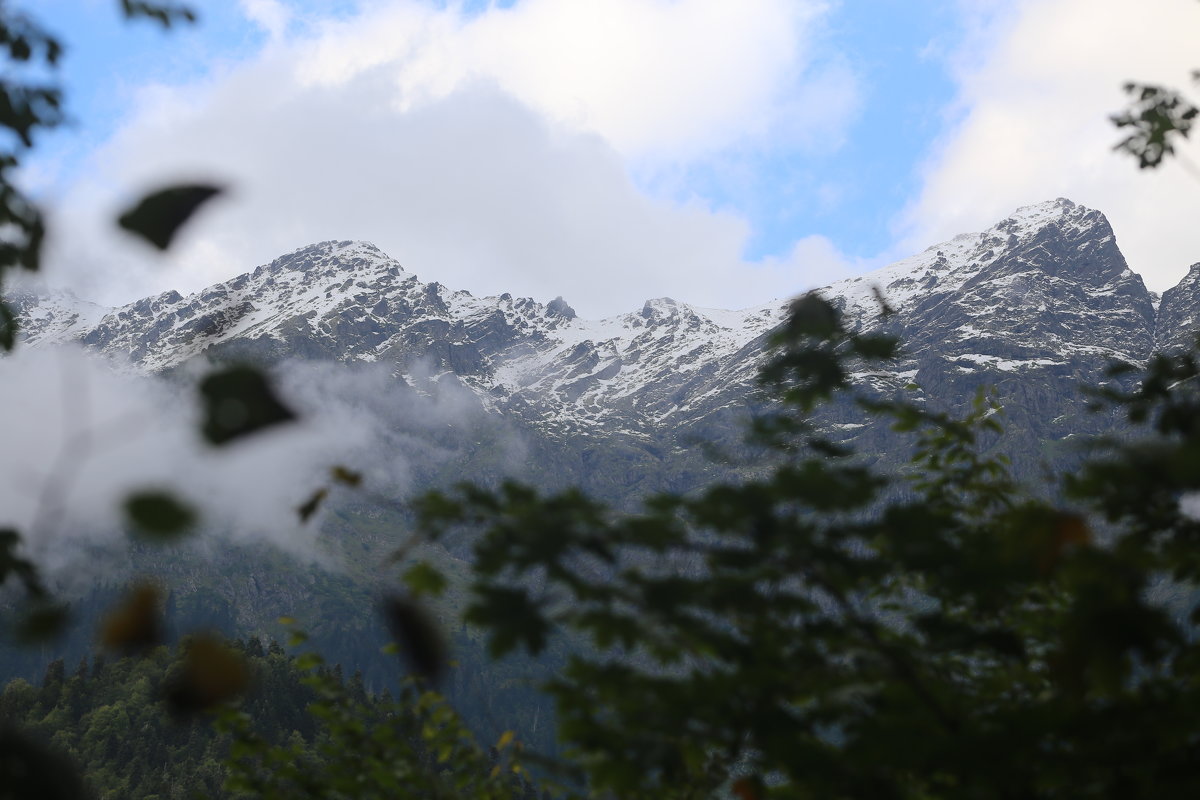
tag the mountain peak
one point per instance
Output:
(344, 255)
(559, 307)
(1025, 266)
(659, 307)
(1030, 219)
(1047, 209)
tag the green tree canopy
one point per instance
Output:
(827, 631)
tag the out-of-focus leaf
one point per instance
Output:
(8, 327)
(211, 674)
(1157, 116)
(13, 564)
(1069, 530)
(239, 401)
(512, 617)
(159, 515)
(885, 308)
(135, 624)
(166, 14)
(812, 315)
(309, 507)
(346, 477)
(159, 215)
(423, 578)
(419, 639)
(45, 622)
(750, 788)
(29, 770)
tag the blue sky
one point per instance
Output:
(852, 193)
(606, 151)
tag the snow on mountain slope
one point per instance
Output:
(663, 362)
(55, 318)
(348, 301)
(1178, 318)
(1044, 291)
(1046, 284)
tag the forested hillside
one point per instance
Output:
(130, 728)
(109, 716)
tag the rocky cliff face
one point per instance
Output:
(347, 301)
(1178, 320)
(1047, 286)
(1034, 305)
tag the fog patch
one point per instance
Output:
(81, 435)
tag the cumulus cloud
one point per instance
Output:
(1032, 123)
(488, 151)
(669, 78)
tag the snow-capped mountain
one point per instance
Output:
(348, 301)
(1034, 304)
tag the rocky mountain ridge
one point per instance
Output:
(1038, 301)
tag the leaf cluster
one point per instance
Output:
(828, 631)
(1156, 117)
(413, 745)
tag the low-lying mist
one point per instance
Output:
(80, 434)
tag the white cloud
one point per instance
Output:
(672, 78)
(89, 436)
(488, 152)
(1033, 124)
(271, 16)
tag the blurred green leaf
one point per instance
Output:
(31, 770)
(45, 621)
(212, 674)
(309, 507)
(166, 14)
(1157, 116)
(345, 476)
(15, 565)
(513, 618)
(8, 327)
(423, 578)
(136, 623)
(158, 216)
(159, 515)
(239, 401)
(419, 639)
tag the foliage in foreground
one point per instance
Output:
(414, 745)
(831, 632)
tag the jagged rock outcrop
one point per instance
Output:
(1178, 319)
(1035, 305)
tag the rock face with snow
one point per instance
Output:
(1045, 287)
(1035, 305)
(348, 301)
(1178, 319)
